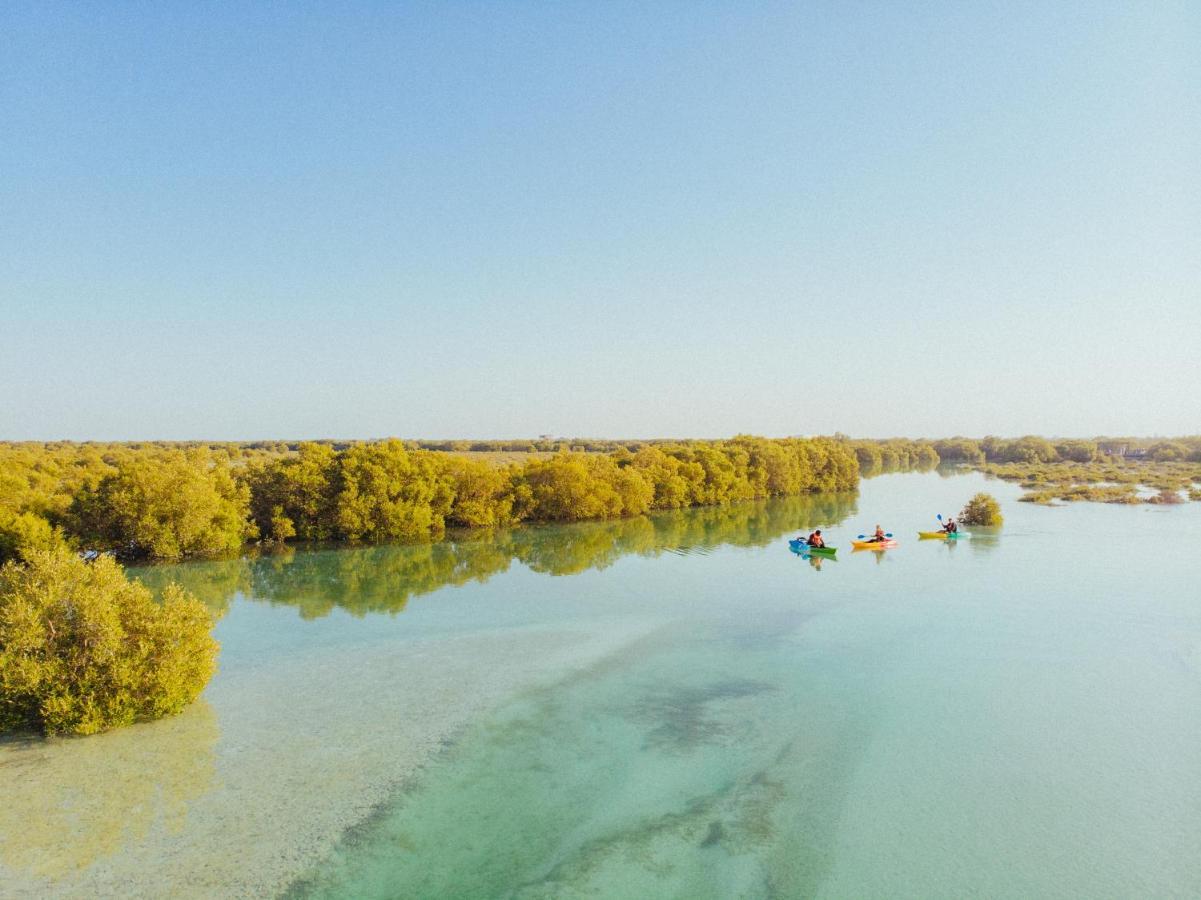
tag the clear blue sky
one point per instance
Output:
(255, 220)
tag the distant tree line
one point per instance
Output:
(541, 445)
(163, 500)
(171, 501)
(876, 457)
(1034, 449)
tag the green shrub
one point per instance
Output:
(983, 509)
(1029, 449)
(389, 493)
(1094, 493)
(1168, 451)
(1104, 493)
(178, 503)
(897, 454)
(22, 533)
(294, 496)
(1077, 451)
(83, 649)
(481, 493)
(959, 450)
(574, 486)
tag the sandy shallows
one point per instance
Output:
(256, 782)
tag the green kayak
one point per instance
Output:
(802, 547)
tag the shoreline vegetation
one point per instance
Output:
(384, 578)
(175, 500)
(163, 502)
(84, 649)
(65, 505)
(155, 651)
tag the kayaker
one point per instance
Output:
(950, 527)
(878, 537)
(816, 540)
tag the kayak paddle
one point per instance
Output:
(887, 534)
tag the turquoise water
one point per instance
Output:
(669, 707)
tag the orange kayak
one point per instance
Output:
(874, 545)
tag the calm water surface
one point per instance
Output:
(671, 707)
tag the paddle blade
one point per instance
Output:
(939, 517)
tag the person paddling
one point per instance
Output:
(950, 527)
(878, 537)
(816, 539)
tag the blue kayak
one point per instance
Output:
(796, 545)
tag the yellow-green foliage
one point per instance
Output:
(1104, 480)
(1028, 449)
(60, 484)
(294, 496)
(574, 486)
(1077, 451)
(389, 491)
(83, 649)
(982, 509)
(1095, 493)
(898, 455)
(363, 580)
(390, 494)
(1036, 451)
(167, 505)
(165, 501)
(24, 532)
(1168, 451)
(517, 450)
(214, 582)
(499, 457)
(481, 492)
(672, 480)
(959, 449)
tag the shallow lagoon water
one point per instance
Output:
(674, 706)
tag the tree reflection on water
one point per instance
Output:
(362, 580)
